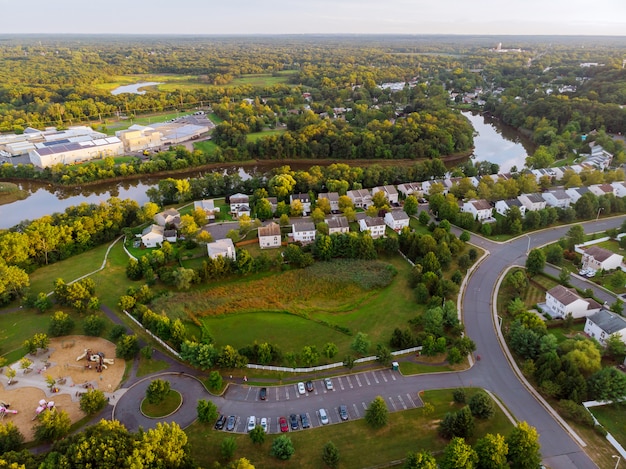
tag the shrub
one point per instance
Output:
(94, 325)
(459, 396)
(116, 332)
(157, 391)
(481, 405)
(93, 401)
(60, 324)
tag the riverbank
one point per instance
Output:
(10, 192)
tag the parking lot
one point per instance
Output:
(354, 391)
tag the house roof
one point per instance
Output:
(481, 204)
(359, 193)
(337, 222)
(599, 254)
(513, 203)
(205, 204)
(373, 221)
(221, 247)
(399, 215)
(608, 321)
(565, 296)
(302, 197)
(303, 226)
(606, 188)
(271, 229)
(156, 229)
(534, 198)
(390, 189)
(238, 198)
(559, 194)
(332, 196)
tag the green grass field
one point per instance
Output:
(266, 133)
(406, 431)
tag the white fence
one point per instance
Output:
(609, 437)
(329, 366)
(158, 339)
(579, 247)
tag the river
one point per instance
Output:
(134, 88)
(494, 142)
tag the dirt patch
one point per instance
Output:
(73, 378)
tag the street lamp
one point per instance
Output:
(599, 210)
(618, 459)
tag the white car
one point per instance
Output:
(323, 417)
(301, 388)
(264, 424)
(328, 383)
(251, 423)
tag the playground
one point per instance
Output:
(75, 364)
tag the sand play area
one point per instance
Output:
(72, 378)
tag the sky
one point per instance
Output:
(198, 17)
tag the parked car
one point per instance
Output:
(282, 421)
(264, 424)
(328, 383)
(293, 420)
(251, 423)
(220, 422)
(343, 412)
(230, 423)
(323, 417)
(305, 421)
(309, 386)
(263, 394)
(301, 388)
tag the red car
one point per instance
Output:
(283, 424)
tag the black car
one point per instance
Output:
(220, 422)
(293, 420)
(263, 394)
(305, 421)
(309, 386)
(343, 412)
(230, 424)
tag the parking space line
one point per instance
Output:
(393, 404)
(411, 399)
(275, 392)
(356, 411)
(374, 375)
(383, 375)
(366, 379)
(287, 393)
(358, 380)
(364, 406)
(349, 382)
(340, 383)
(248, 393)
(393, 376)
(402, 402)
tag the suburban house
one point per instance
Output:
(238, 200)
(269, 236)
(273, 203)
(208, 206)
(333, 198)
(557, 198)
(171, 236)
(361, 198)
(396, 219)
(602, 189)
(426, 185)
(337, 225)
(576, 193)
(375, 225)
(303, 232)
(604, 324)
(410, 188)
(619, 189)
(168, 217)
(561, 301)
(597, 258)
(532, 202)
(304, 198)
(390, 192)
(480, 209)
(222, 248)
(599, 157)
(503, 206)
(152, 236)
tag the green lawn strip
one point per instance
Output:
(407, 431)
(562, 334)
(163, 408)
(207, 146)
(148, 366)
(613, 418)
(412, 368)
(253, 137)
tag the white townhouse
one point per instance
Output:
(361, 198)
(269, 236)
(426, 185)
(237, 200)
(152, 236)
(396, 219)
(410, 188)
(333, 198)
(576, 193)
(619, 188)
(375, 225)
(561, 301)
(337, 225)
(532, 202)
(604, 324)
(597, 258)
(222, 248)
(390, 192)
(602, 189)
(303, 232)
(304, 198)
(503, 206)
(481, 209)
(208, 206)
(557, 198)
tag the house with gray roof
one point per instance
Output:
(397, 219)
(604, 324)
(596, 258)
(532, 202)
(337, 225)
(562, 301)
(503, 206)
(557, 198)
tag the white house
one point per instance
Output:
(619, 189)
(426, 185)
(602, 189)
(237, 200)
(273, 203)
(337, 225)
(561, 301)
(208, 206)
(390, 192)
(171, 216)
(480, 209)
(410, 188)
(597, 258)
(532, 202)
(222, 248)
(503, 206)
(576, 193)
(333, 198)
(375, 225)
(269, 236)
(303, 232)
(557, 198)
(361, 198)
(304, 199)
(152, 236)
(604, 324)
(396, 219)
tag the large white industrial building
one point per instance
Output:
(72, 152)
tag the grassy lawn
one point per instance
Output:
(613, 418)
(168, 405)
(266, 133)
(148, 366)
(10, 192)
(406, 431)
(206, 146)
(411, 368)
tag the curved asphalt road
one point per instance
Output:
(493, 372)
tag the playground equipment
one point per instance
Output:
(4, 409)
(97, 358)
(43, 405)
